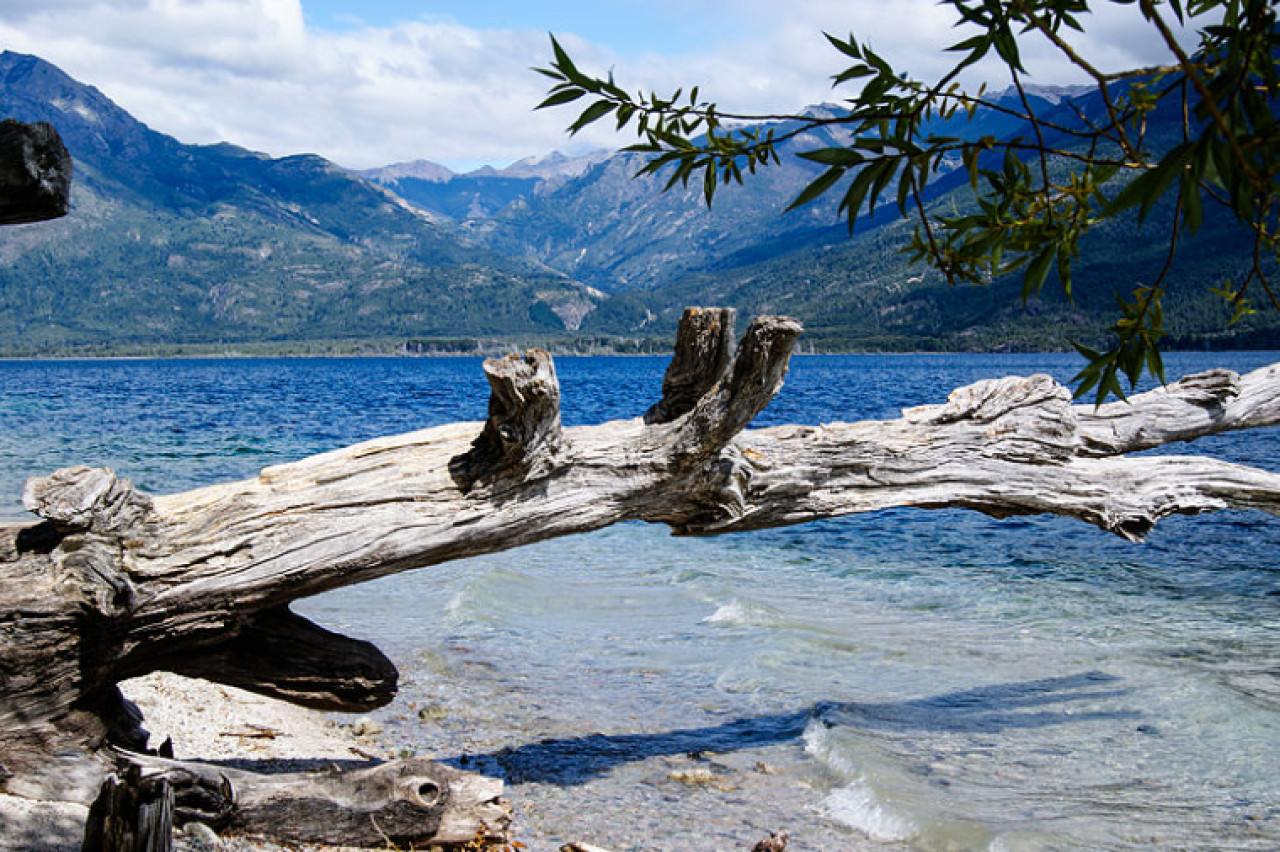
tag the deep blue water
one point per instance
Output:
(936, 679)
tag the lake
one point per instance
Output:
(900, 680)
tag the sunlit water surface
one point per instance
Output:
(911, 679)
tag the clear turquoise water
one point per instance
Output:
(908, 679)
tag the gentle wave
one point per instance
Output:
(856, 803)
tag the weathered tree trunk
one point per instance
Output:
(112, 583)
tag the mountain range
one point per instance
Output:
(174, 247)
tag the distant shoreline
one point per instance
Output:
(486, 349)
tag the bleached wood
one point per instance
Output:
(404, 804)
(113, 583)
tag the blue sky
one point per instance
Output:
(629, 27)
(366, 83)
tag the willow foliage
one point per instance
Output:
(1036, 193)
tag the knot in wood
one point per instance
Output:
(718, 495)
(85, 498)
(1023, 418)
(991, 399)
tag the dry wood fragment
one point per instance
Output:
(772, 843)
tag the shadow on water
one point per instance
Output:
(987, 710)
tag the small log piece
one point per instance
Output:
(408, 803)
(35, 173)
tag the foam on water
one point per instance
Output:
(731, 613)
(857, 806)
(855, 803)
(745, 613)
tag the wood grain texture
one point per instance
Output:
(403, 803)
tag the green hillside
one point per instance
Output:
(170, 243)
(175, 247)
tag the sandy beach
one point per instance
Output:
(208, 721)
(205, 721)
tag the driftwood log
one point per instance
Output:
(112, 583)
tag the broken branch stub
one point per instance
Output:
(749, 383)
(131, 814)
(522, 434)
(703, 352)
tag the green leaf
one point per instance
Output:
(1007, 48)
(1147, 188)
(853, 72)
(817, 187)
(593, 113)
(563, 96)
(1155, 364)
(833, 157)
(565, 65)
(1089, 377)
(848, 48)
(969, 154)
(1063, 256)
(1037, 271)
(1090, 355)
(884, 171)
(1109, 386)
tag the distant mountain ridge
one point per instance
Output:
(546, 167)
(171, 244)
(415, 169)
(657, 252)
(482, 193)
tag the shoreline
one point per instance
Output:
(211, 722)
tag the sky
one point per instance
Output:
(368, 83)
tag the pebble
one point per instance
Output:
(365, 727)
(202, 836)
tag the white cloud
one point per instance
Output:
(251, 72)
(247, 71)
